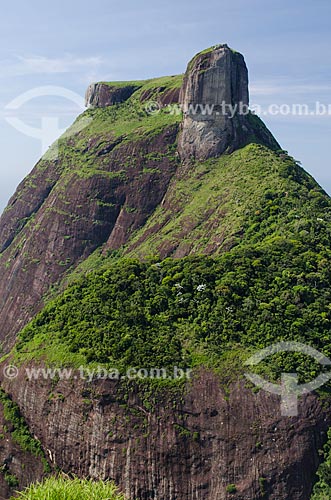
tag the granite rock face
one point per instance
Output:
(215, 102)
(18, 467)
(101, 95)
(164, 97)
(184, 447)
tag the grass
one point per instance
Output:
(174, 81)
(62, 488)
(231, 488)
(129, 119)
(217, 201)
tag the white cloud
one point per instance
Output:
(33, 65)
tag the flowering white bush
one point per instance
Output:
(201, 288)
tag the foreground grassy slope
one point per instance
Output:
(71, 489)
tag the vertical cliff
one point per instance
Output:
(178, 446)
(215, 103)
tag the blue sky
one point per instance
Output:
(71, 43)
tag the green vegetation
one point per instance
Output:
(248, 195)
(174, 81)
(11, 480)
(231, 488)
(206, 52)
(129, 120)
(262, 484)
(274, 284)
(61, 488)
(322, 489)
(20, 432)
(196, 310)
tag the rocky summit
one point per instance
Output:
(215, 102)
(166, 229)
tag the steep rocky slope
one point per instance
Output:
(156, 169)
(22, 457)
(180, 447)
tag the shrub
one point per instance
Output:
(231, 488)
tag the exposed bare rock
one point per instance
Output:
(18, 468)
(180, 448)
(101, 95)
(215, 102)
(163, 96)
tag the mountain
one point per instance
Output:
(99, 185)
(166, 228)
